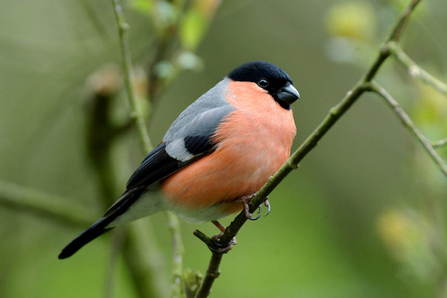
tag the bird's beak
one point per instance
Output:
(288, 94)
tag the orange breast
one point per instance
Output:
(254, 141)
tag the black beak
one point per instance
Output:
(288, 94)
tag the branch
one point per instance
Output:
(415, 70)
(212, 273)
(146, 143)
(49, 206)
(409, 124)
(292, 163)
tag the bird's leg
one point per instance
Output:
(221, 247)
(219, 225)
(245, 200)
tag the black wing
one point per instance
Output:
(158, 164)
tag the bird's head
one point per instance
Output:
(270, 78)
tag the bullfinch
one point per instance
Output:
(215, 156)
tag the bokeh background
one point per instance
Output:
(361, 217)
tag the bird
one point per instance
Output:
(215, 156)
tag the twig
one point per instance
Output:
(415, 70)
(177, 256)
(145, 140)
(292, 163)
(212, 273)
(409, 124)
(399, 26)
(48, 206)
(440, 143)
(128, 76)
(204, 238)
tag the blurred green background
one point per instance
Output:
(357, 219)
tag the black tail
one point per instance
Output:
(100, 227)
(94, 231)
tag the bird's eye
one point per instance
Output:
(263, 83)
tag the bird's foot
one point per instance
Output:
(245, 200)
(221, 247)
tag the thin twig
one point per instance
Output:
(128, 76)
(394, 36)
(204, 238)
(177, 256)
(292, 163)
(399, 26)
(415, 70)
(46, 205)
(409, 124)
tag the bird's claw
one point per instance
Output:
(217, 246)
(267, 204)
(246, 199)
(257, 217)
(222, 248)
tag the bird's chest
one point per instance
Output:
(256, 144)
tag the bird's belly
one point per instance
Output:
(206, 189)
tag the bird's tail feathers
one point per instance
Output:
(102, 225)
(94, 231)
